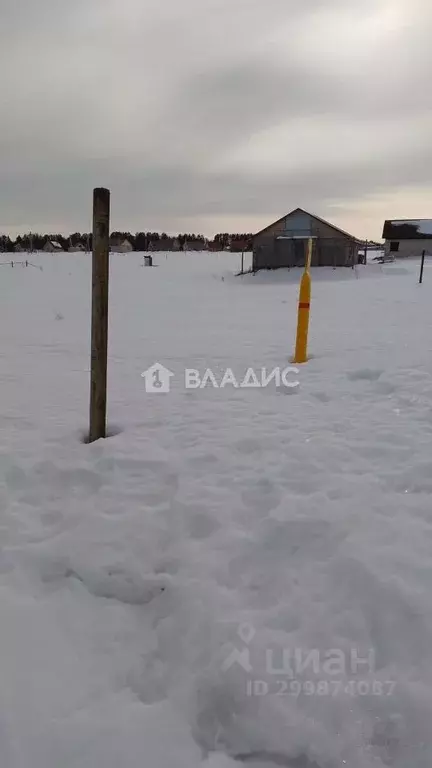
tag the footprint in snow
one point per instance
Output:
(273, 759)
(323, 397)
(202, 526)
(365, 374)
(110, 582)
(248, 446)
(126, 587)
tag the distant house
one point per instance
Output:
(78, 248)
(214, 246)
(195, 245)
(52, 246)
(284, 243)
(163, 244)
(120, 245)
(407, 237)
(239, 245)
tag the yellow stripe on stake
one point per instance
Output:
(303, 311)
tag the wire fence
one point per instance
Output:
(20, 264)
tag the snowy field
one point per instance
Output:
(238, 576)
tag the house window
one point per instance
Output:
(394, 246)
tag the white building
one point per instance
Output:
(123, 246)
(407, 237)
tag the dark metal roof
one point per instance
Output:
(408, 229)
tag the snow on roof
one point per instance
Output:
(424, 226)
(407, 229)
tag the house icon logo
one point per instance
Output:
(157, 379)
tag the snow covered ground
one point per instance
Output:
(236, 576)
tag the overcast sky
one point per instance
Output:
(214, 115)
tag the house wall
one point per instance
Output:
(50, 248)
(409, 248)
(126, 247)
(331, 248)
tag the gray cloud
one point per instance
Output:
(151, 99)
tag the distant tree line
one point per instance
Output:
(236, 242)
(140, 241)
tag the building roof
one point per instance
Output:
(407, 229)
(301, 210)
(116, 240)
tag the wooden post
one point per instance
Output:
(242, 263)
(366, 252)
(422, 267)
(99, 324)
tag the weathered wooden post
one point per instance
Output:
(99, 322)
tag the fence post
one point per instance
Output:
(242, 263)
(99, 322)
(422, 267)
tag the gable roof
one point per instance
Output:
(407, 229)
(313, 216)
(118, 240)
